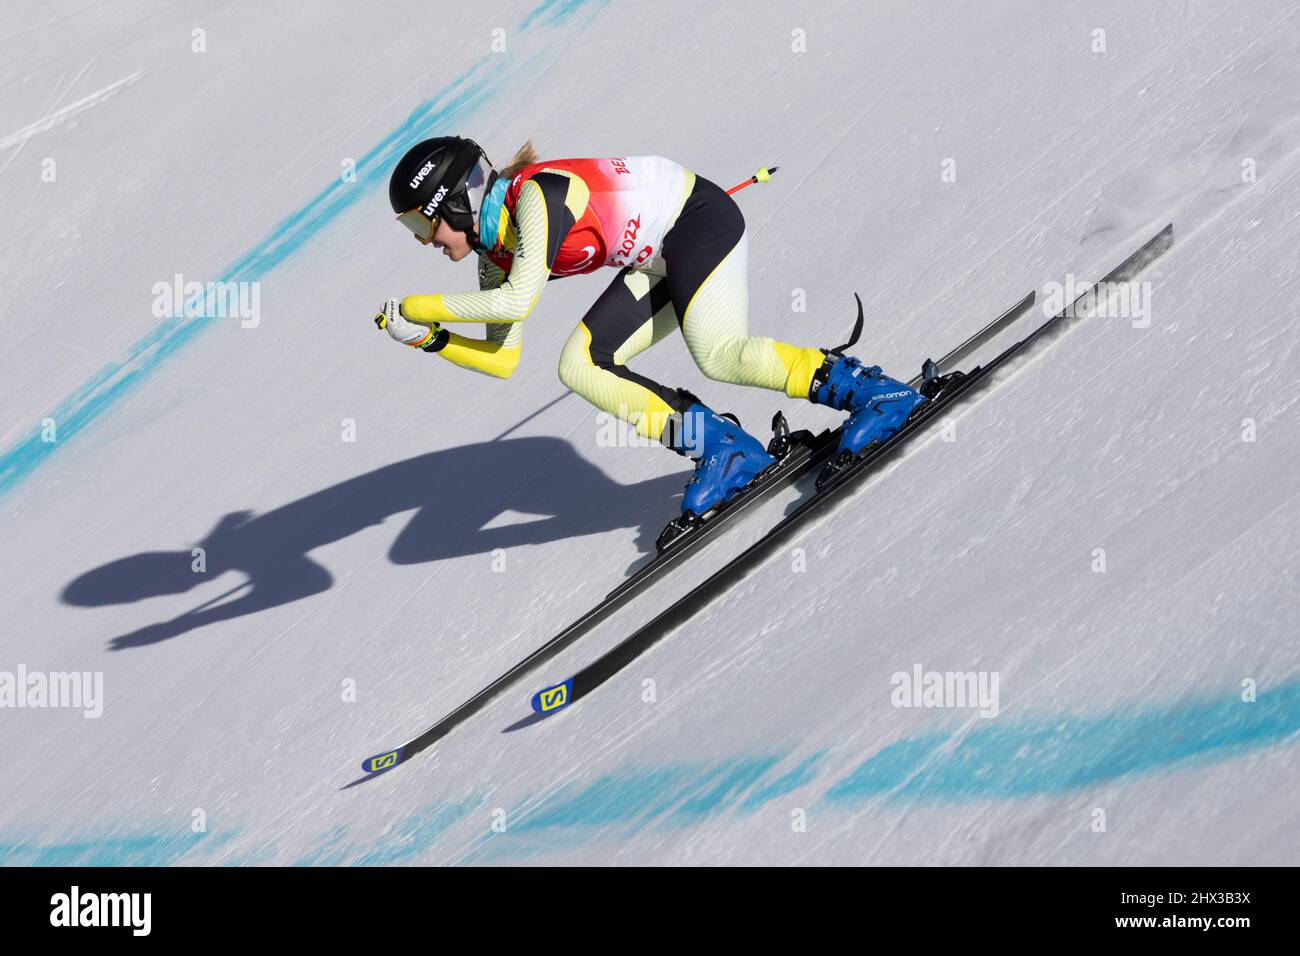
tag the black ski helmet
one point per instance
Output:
(440, 178)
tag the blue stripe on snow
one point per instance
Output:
(1056, 755)
(556, 13)
(993, 761)
(103, 390)
(111, 849)
(461, 98)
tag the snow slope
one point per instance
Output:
(355, 590)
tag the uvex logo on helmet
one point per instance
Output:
(419, 177)
(433, 203)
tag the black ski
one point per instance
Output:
(559, 696)
(804, 453)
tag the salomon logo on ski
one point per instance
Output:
(552, 698)
(382, 762)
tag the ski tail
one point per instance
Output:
(962, 352)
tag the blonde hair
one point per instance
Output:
(526, 155)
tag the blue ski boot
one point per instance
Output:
(727, 459)
(877, 404)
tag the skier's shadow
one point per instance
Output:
(453, 493)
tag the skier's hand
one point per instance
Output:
(431, 338)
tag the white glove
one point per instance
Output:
(399, 329)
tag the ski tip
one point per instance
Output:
(556, 697)
(381, 762)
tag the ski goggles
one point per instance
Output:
(422, 228)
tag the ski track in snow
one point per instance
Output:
(68, 112)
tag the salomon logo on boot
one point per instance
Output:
(877, 404)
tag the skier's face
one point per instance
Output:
(453, 243)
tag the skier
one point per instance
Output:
(680, 246)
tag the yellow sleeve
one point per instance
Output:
(513, 300)
(498, 354)
(486, 356)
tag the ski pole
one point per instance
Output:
(763, 175)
